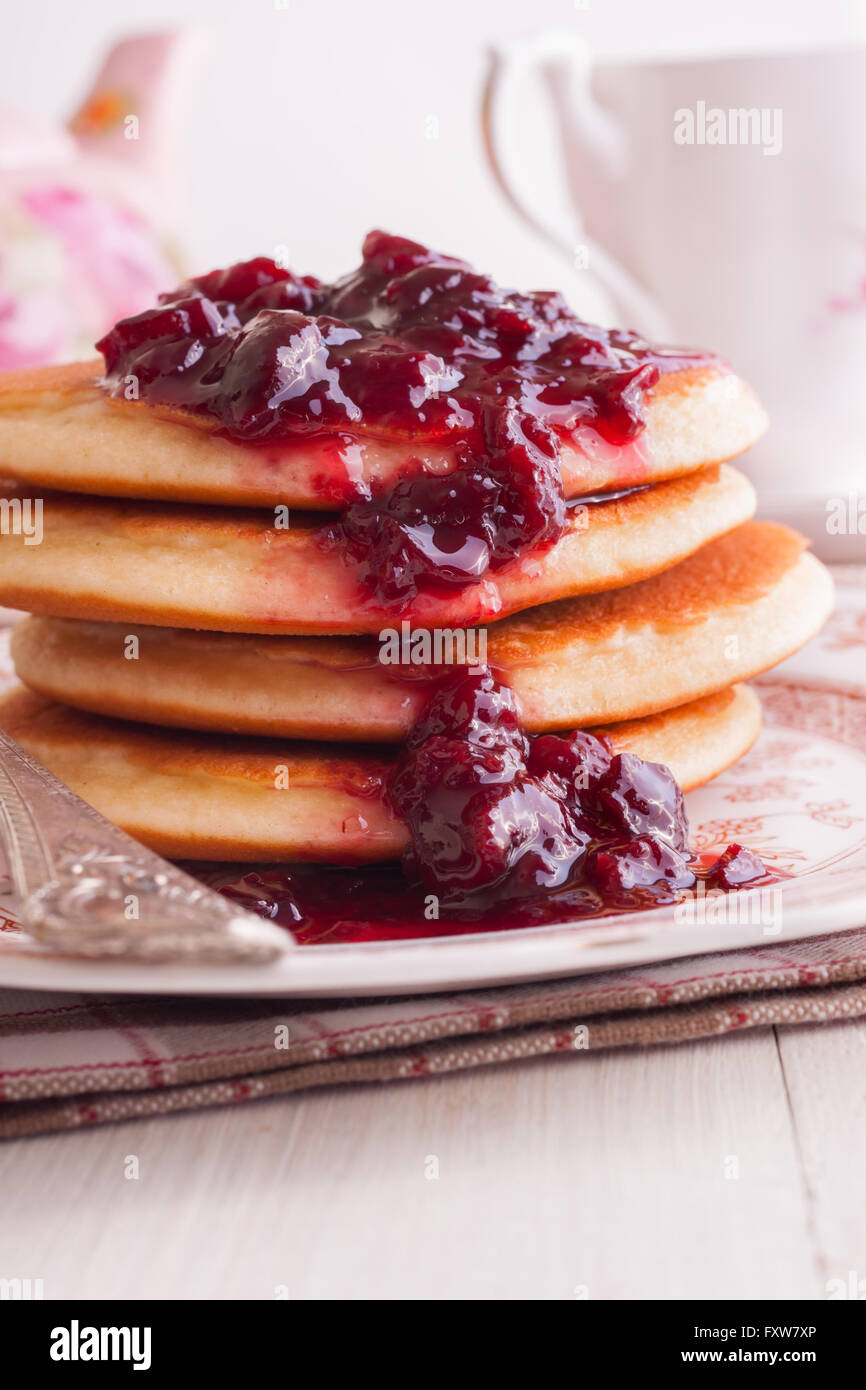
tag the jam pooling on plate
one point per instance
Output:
(506, 829)
(336, 905)
(412, 347)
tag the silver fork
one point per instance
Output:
(88, 889)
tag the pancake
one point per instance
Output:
(203, 796)
(58, 429)
(232, 571)
(736, 607)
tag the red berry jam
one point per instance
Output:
(506, 830)
(490, 809)
(412, 346)
(737, 866)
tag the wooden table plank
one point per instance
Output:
(605, 1172)
(825, 1071)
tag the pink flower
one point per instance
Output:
(111, 247)
(34, 329)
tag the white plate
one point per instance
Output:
(798, 799)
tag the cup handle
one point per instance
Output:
(565, 53)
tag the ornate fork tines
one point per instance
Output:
(88, 889)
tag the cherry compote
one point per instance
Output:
(489, 808)
(505, 829)
(413, 347)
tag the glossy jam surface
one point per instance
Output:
(506, 830)
(490, 809)
(412, 346)
(328, 905)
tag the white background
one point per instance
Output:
(307, 123)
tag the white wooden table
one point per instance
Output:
(601, 1176)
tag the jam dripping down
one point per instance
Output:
(412, 346)
(507, 829)
(490, 809)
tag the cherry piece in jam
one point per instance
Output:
(639, 863)
(735, 867)
(412, 346)
(641, 798)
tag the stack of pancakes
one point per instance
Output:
(211, 679)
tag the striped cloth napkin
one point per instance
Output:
(69, 1061)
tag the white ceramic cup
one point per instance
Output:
(720, 202)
